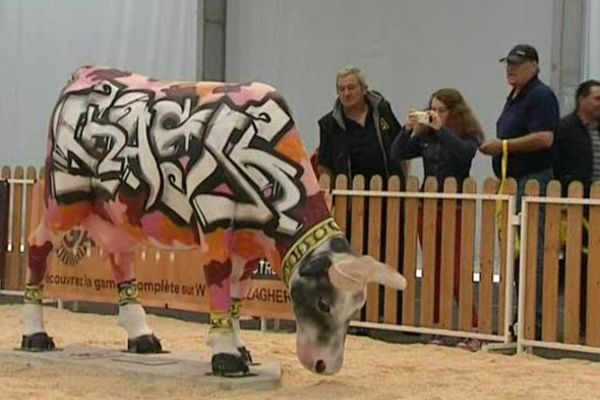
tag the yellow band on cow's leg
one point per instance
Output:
(220, 322)
(128, 293)
(236, 306)
(235, 320)
(33, 294)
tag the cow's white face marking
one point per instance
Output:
(324, 303)
(321, 337)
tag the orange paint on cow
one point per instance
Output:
(253, 245)
(292, 147)
(65, 217)
(215, 246)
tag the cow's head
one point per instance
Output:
(327, 288)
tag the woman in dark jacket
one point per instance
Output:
(447, 137)
(447, 141)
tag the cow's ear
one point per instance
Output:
(317, 266)
(353, 274)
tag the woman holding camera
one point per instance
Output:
(447, 137)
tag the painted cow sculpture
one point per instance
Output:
(210, 165)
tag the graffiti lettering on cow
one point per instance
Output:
(256, 172)
(216, 161)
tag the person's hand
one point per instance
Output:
(411, 120)
(491, 147)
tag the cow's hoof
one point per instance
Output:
(224, 364)
(37, 342)
(145, 344)
(246, 356)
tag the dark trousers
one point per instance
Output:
(543, 178)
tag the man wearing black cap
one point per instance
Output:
(527, 122)
(525, 132)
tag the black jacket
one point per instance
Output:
(333, 149)
(573, 157)
(445, 154)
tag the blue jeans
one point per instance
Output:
(543, 178)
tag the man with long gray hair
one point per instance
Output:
(356, 136)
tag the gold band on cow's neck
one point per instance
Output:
(33, 294)
(313, 238)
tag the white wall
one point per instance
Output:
(407, 49)
(592, 41)
(43, 41)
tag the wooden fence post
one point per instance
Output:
(550, 279)
(532, 188)
(374, 247)
(592, 337)
(572, 266)
(429, 245)
(486, 264)
(467, 257)
(447, 256)
(410, 246)
(392, 244)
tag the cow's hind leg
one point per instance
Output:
(35, 337)
(227, 360)
(132, 317)
(40, 245)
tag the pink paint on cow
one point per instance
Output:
(223, 189)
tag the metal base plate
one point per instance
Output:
(172, 365)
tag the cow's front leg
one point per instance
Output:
(226, 359)
(243, 268)
(250, 248)
(236, 306)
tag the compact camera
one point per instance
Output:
(422, 117)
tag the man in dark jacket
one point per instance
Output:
(525, 133)
(577, 141)
(577, 158)
(356, 136)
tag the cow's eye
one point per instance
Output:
(323, 306)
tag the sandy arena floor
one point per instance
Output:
(372, 370)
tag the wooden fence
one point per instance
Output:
(17, 211)
(420, 233)
(571, 268)
(396, 226)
